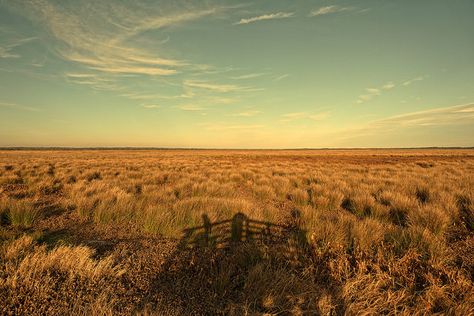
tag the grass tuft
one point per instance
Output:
(22, 213)
(423, 194)
(8, 167)
(466, 211)
(71, 179)
(93, 176)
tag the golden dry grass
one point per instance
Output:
(96, 232)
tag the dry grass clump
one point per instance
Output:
(71, 179)
(298, 196)
(432, 218)
(423, 194)
(361, 205)
(398, 213)
(407, 285)
(264, 192)
(12, 180)
(62, 280)
(93, 176)
(384, 232)
(21, 213)
(465, 205)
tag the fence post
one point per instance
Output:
(237, 227)
(207, 228)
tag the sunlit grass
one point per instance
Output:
(399, 230)
(19, 212)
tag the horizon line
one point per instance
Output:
(19, 148)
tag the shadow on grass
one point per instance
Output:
(241, 266)
(56, 237)
(241, 229)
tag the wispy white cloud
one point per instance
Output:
(94, 80)
(190, 107)
(294, 115)
(364, 10)
(18, 107)
(271, 16)
(212, 70)
(388, 86)
(100, 34)
(409, 82)
(80, 75)
(439, 116)
(371, 93)
(249, 76)
(225, 127)
(288, 117)
(183, 97)
(154, 96)
(213, 86)
(106, 41)
(451, 115)
(220, 100)
(151, 106)
(281, 77)
(319, 116)
(328, 10)
(6, 52)
(7, 49)
(469, 108)
(39, 61)
(248, 113)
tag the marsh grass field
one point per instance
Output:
(99, 232)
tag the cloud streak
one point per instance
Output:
(457, 114)
(248, 76)
(288, 117)
(190, 107)
(409, 82)
(151, 106)
(230, 127)
(18, 107)
(328, 10)
(112, 45)
(94, 80)
(264, 17)
(281, 77)
(451, 115)
(216, 87)
(248, 113)
(100, 35)
(6, 51)
(371, 93)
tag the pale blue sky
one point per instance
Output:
(223, 74)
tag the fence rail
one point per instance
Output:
(236, 230)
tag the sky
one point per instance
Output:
(237, 74)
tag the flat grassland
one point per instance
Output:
(351, 231)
